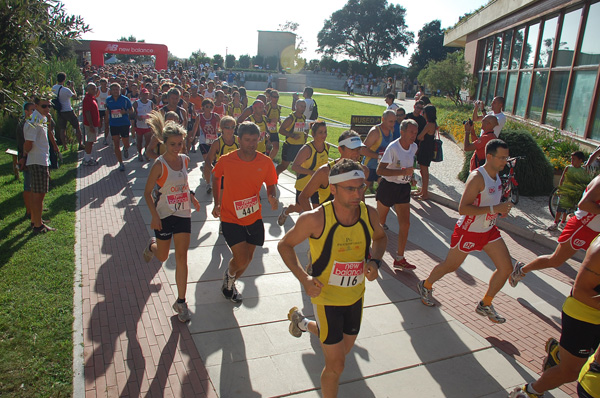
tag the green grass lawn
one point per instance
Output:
(36, 286)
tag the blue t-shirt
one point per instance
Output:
(113, 107)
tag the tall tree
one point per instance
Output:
(218, 60)
(32, 31)
(450, 76)
(371, 31)
(290, 26)
(229, 61)
(430, 47)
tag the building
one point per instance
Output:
(272, 43)
(541, 55)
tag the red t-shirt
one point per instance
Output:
(241, 185)
(90, 104)
(478, 158)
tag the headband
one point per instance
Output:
(351, 142)
(350, 175)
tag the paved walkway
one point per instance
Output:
(135, 346)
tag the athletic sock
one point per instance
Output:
(230, 280)
(303, 324)
(487, 300)
(181, 300)
(530, 389)
(87, 157)
(427, 285)
(399, 257)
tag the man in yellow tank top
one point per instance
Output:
(342, 233)
(580, 332)
(294, 130)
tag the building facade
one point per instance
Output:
(542, 56)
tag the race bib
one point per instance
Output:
(347, 274)
(102, 103)
(490, 220)
(272, 127)
(299, 127)
(210, 133)
(115, 113)
(178, 201)
(245, 207)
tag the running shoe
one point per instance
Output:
(490, 312)
(282, 217)
(552, 227)
(105, 143)
(208, 188)
(91, 162)
(140, 157)
(122, 167)
(521, 392)
(126, 153)
(517, 274)
(553, 358)
(563, 225)
(401, 265)
(147, 252)
(295, 317)
(232, 293)
(183, 313)
(426, 294)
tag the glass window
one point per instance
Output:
(568, 38)
(517, 49)
(530, 47)
(556, 98)
(547, 44)
(579, 101)
(511, 89)
(590, 46)
(492, 85)
(523, 93)
(501, 82)
(540, 80)
(506, 49)
(595, 133)
(488, 53)
(484, 83)
(497, 50)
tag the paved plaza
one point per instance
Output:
(134, 345)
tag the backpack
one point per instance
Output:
(315, 112)
(56, 102)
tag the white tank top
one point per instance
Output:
(173, 197)
(490, 196)
(102, 98)
(143, 110)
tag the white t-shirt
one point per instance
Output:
(36, 129)
(393, 107)
(501, 121)
(64, 97)
(398, 158)
(310, 104)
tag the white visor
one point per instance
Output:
(351, 175)
(351, 143)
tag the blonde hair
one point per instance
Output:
(163, 130)
(226, 119)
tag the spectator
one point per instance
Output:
(66, 114)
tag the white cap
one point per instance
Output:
(352, 142)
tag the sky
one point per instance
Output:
(231, 27)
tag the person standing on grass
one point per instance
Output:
(170, 202)
(476, 230)
(66, 114)
(36, 152)
(91, 123)
(28, 109)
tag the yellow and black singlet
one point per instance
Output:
(235, 111)
(314, 161)
(224, 149)
(298, 126)
(273, 112)
(262, 125)
(325, 193)
(339, 257)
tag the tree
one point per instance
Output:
(449, 76)
(218, 60)
(229, 61)
(245, 61)
(430, 47)
(32, 32)
(290, 26)
(371, 31)
(127, 57)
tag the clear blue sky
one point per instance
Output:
(216, 27)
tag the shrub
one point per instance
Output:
(534, 173)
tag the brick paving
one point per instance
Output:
(135, 346)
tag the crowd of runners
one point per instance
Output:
(171, 116)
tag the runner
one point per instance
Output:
(119, 108)
(580, 332)
(377, 140)
(91, 123)
(578, 234)
(220, 105)
(101, 96)
(142, 108)
(207, 133)
(235, 108)
(476, 230)
(312, 156)
(396, 169)
(169, 200)
(156, 148)
(243, 171)
(226, 143)
(258, 117)
(172, 105)
(293, 129)
(349, 144)
(273, 114)
(336, 284)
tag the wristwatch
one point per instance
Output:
(376, 261)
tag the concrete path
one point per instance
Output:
(135, 346)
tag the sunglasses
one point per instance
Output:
(45, 106)
(229, 127)
(359, 188)
(400, 115)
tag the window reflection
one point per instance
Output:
(517, 49)
(568, 38)
(523, 93)
(547, 44)
(490, 92)
(506, 49)
(497, 49)
(590, 47)
(580, 99)
(556, 98)
(501, 82)
(511, 89)
(529, 50)
(540, 80)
